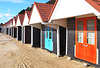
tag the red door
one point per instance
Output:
(86, 39)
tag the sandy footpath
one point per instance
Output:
(13, 54)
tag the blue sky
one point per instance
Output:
(10, 8)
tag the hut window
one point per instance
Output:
(90, 25)
(46, 32)
(80, 25)
(90, 38)
(80, 37)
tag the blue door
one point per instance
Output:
(48, 38)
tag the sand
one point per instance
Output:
(14, 54)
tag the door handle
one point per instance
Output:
(83, 45)
(86, 45)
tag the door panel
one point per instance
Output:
(48, 38)
(86, 50)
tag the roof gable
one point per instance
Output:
(21, 17)
(44, 10)
(18, 23)
(72, 8)
(95, 4)
(35, 17)
(28, 14)
(14, 21)
(26, 20)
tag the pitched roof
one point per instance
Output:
(28, 14)
(15, 20)
(53, 9)
(21, 17)
(95, 4)
(44, 10)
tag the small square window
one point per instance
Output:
(80, 37)
(90, 38)
(90, 25)
(80, 25)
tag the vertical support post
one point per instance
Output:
(31, 36)
(66, 39)
(13, 32)
(17, 33)
(22, 35)
(58, 43)
(24, 31)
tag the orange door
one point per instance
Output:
(86, 39)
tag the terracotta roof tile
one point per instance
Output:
(15, 20)
(44, 10)
(21, 16)
(95, 4)
(28, 14)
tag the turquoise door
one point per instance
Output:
(48, 38)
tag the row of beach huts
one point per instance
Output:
(69, 27)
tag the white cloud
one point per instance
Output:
(15, 1)
(7, 15)
(1, 15)
(8, 10)
(10, 18)
(3, 18)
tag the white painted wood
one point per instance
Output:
(8, 31)
(18, 23)
(24, 34)
(17, 33)
(61, 22)
(13, 31)
(31, 36)
(66, 39)
(97, 56)
(74, 50)
(35, 17)
(13, 21)
(52, 25)
(26, 20)
(58, 43)
(37, 25)
(72, 8)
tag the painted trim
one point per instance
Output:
(66, 39)
(97, 56)
(13, 32)
(17, 33)
(52, 9)
(74, 50)
(58, 43)
(31, 36)
(24, 34)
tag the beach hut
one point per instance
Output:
(14, 28)
(10, 27)
(19, 23)
(39, 15)
(26, 28)
(79, 21)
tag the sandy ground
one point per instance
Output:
(13, 54)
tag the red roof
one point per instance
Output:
(95, 4)
(21, 17)
(28, 14)
(53, 9)
(15, 20)
(44, 10)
